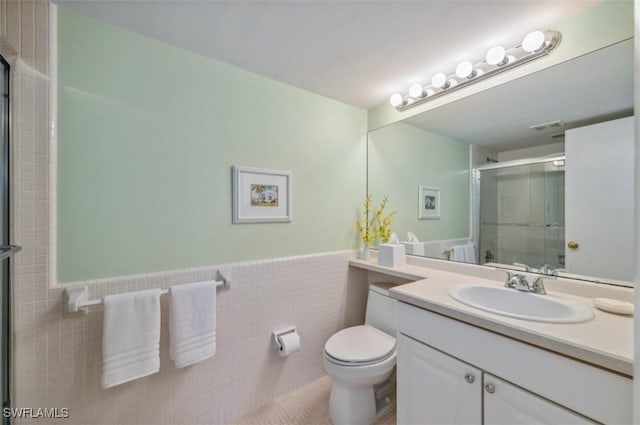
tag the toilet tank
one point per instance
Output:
(381, 308)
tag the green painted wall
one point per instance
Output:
(402, 157)
(147, 135)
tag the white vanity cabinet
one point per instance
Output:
(435, 388)
(450, 372)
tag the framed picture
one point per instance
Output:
(261, 195)
(428, 203)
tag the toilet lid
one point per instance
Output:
(360, 344)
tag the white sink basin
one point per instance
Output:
(521, 305)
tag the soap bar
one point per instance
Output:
(613, 306)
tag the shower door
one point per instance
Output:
(522, 214)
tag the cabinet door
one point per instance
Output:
(507, 404)
(434, 388)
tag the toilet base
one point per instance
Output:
(352, 406)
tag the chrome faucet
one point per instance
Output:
(519, 282)
(549, 270)
(545, 269)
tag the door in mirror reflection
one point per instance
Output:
(600, 201)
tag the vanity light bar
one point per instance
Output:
(534, 45)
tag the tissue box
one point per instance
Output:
(391, 255)
(414, 248)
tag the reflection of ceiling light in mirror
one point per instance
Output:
(498, 59)
(558, 163)
(533, 41)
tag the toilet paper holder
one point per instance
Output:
(284, 334)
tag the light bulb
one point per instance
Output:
(533, 41)
(416, 90)
(396, 99)
(496, 56)
(465, 70)
(439, 80)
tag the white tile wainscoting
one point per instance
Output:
(58, 357)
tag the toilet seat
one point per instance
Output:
(359, 346)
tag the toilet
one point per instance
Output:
(361, 360)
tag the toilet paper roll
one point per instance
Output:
(289, 343)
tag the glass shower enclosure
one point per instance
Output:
(521, 214)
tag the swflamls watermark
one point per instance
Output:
(36, 412)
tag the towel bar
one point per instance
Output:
(77, 298)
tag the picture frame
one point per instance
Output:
(261, 195)
(428, 203)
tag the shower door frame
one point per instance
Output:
(5, 282)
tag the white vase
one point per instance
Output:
(365, 254)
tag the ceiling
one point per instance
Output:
(591, 88)
(358, 52)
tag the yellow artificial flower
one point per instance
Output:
(378, 226)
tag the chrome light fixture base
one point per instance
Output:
(513, 57)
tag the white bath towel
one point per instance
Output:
(470, 253)
(192, 322)
(130, 337)
(457, 253)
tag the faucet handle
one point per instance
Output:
(508, 283)
(526, 267)
(537, 286)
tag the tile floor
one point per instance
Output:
(308, 405)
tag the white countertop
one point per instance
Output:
(606, 341)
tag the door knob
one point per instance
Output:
(469, 378)
(573, 245)
(490, 388)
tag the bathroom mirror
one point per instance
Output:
(535, 174)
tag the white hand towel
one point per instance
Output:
(130, 336)
(457, 253)
(192, 322)
(470, 253)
